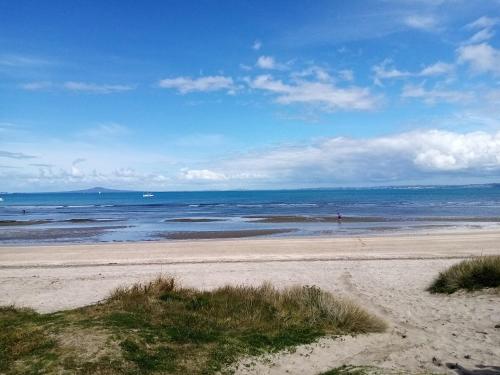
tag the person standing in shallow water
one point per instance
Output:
(339, 217)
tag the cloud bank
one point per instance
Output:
(426, 155)
(396, 158)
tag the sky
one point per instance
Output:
(216, 95)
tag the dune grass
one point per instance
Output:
(161, 327)
(471, 274)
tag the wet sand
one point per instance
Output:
(12, 223)
(9, 223)
(221, 234)
(314, 219)
(55, 234)
(364, 219)
(192, 220)
(385, 274)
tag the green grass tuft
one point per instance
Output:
(471, 274)
(160, 327)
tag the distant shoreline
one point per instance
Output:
(96, 190)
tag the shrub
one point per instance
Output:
(471, 274)
(161, 327)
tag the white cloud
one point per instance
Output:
(73, 163)
(203, 84)
(75, 86)
(484, 25)
(315, 71)
(481, 36)
(43, 165)
(202, 174)
(95, 88)
(421, 22)
(52, 177)
(266, 62)
(257, 45)
(417, 156)
(245, 67)
(17, 61)
(483, 22)
(384, 71)
(447, 151)
(346, 74)
(326, 95)
(435, 95)
(36, 86)
(126, 173)
(438, 68)
(15, 155)
(75, 171)
(400, 157)
(482, 58)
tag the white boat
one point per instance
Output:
(147, 195)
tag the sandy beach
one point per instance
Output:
(387, 275)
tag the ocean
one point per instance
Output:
(130, 216)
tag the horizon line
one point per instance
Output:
(115, 190)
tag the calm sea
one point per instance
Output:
(91, 217)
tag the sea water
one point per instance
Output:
(129, 216)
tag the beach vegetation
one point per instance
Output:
(161, 327)
(470, 275)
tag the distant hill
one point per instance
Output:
(98, 189)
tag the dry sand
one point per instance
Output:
(387, 275)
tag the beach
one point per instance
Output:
(250, 187)
(387, 275)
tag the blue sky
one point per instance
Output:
(190, 95)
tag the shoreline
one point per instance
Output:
(87, 230)
(241, 235)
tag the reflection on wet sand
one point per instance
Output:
(198, 235)
(55, 233)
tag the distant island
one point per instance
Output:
(98, 189)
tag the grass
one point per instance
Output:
(471, 274)
(161, 327)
